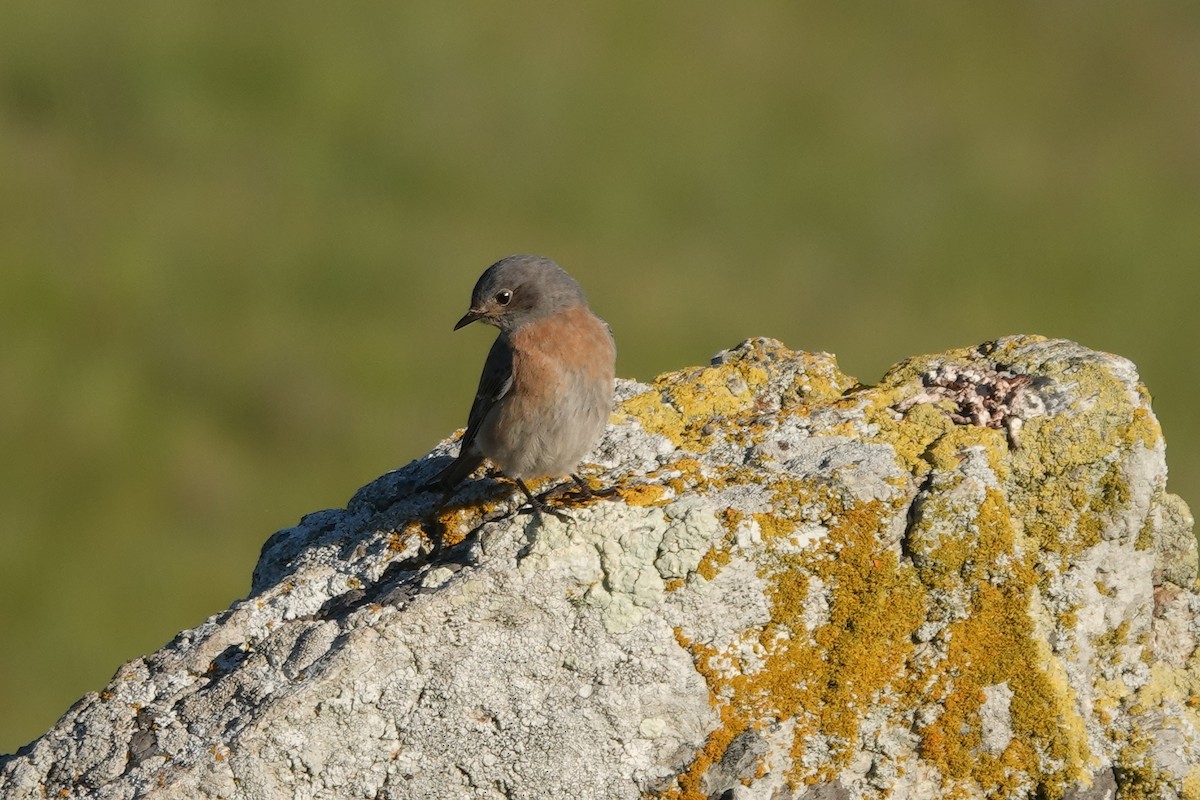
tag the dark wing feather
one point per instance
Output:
(494, 383)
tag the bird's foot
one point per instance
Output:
(584, 493)
(537, 503)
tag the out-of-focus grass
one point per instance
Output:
(234, 239)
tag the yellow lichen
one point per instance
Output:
(684, 406)
(690, 406)
(995, 643)
(644, 494)
(731, 518)
(688, 784)
(911, 435)
(686, 474)
(829, 682)
(1140, 780)
(1191, 784)
(979, 581)
(711, 562)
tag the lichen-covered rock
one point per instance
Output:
(967, 581)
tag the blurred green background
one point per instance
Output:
(234, 239)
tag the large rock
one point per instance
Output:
(967, 581)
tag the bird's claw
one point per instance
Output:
(543, 507)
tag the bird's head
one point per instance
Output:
(521, 289)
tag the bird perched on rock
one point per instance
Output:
(547, 385)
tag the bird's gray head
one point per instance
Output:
(520, 289)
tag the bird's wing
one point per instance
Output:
(494, 383)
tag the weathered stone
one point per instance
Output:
(1103, 787)
(966, 581)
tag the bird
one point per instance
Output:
(546, 390)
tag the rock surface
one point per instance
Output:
(967, 581)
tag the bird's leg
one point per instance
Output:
(582, 493)
(538, 504)
(587, 492)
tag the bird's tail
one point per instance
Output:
(453, 475)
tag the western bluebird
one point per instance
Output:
(547, 385)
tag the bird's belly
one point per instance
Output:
(531, 437)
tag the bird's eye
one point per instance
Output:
(503, 297)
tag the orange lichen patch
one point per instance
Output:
(644, 494)
(712, 561)
(684, 475)
(1144, 428)
(1109, 643)
(911, 434)
(453, 519)
(875, 603)
(1140, 779)
(976, 540)
(690, 406)
(718, 555)
(397, 541)
(773, 527)
(451, 525)
(734, 475)
(731, 518)
(689, 783)
(829, 681)
(685, 406)
(995, 643)
(862, 656)
(990, 647)
(1068, 483)
(793, 500)
(956, 560)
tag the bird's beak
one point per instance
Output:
(468, 318)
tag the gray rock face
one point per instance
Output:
(966, 580)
